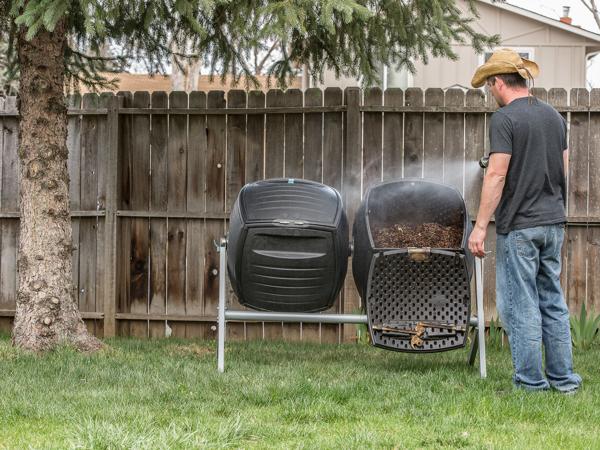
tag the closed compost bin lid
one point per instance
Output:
(290, 199)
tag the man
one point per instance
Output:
(525, 185)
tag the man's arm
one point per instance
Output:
(493, 183)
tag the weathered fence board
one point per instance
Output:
(88, 201)
(196, 203)
(74, 166)
(102, 161)
(6, 299)
(9, 228)
(593, 240)
(372, 139)
(333, 140)
(4, 321)
(413, 135)
(393, 150)
(474, 150)
(140, 201)
(124, 224)
(313, 140)
(158, 202)
(274, 136)
(255, 138)
(433, 140)
(182, 159)
(176, 202)
(215, 199)
(293, 137)
(578, 197)
(454, 144)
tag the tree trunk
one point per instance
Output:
(185, 78)
(47, 313)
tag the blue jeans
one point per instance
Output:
(532, 307)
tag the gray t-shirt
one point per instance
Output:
(535, 134)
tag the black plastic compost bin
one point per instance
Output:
(408, 292)
(287, 246)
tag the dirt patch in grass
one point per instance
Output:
(191, 350)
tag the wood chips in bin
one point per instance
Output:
(432, 235)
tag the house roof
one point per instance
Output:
(543, 19)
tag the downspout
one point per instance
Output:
(589, 56)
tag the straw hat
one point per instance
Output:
(502, 61)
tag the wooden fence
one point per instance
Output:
(154, 176)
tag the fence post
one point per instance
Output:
(351, 184)
(110, 225)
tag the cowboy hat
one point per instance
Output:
(502, 61)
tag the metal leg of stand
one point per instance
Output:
(222, 249)
(474, 347)
(480, 316)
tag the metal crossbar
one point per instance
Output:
(225, 315)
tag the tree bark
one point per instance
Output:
(185, 78)
(47, 313)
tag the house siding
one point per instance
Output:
(560, 54)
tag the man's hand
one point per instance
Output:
(476, 241)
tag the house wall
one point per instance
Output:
(559, 66)
(133, 82)
(560, 54)
(329, 79)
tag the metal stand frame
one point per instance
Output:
(224, 315)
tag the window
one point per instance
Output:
(524, 52)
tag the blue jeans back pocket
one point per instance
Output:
(526, 247)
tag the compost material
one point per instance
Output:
(423, 235)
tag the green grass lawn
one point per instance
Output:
(168, 394)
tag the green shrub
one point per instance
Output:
(584, 328)
(362, 330)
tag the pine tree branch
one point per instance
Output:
(237, 56)
(348, 37)
(106, 59)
